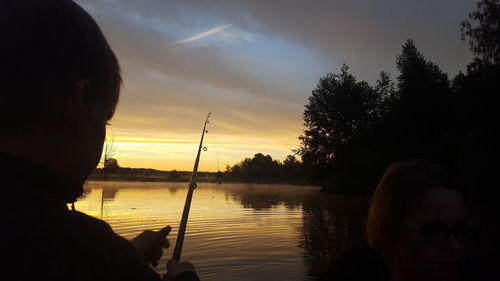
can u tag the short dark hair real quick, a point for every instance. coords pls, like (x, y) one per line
(400, 184)
(46, 46)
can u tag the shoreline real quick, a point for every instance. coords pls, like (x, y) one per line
(202, 180)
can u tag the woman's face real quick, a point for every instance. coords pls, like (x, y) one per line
(431, 238)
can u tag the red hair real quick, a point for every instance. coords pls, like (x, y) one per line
(400, 184)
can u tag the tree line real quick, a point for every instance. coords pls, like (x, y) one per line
(264, 169)
(111, 170)
(354, 130)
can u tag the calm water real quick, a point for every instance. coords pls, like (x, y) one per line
(236, 231)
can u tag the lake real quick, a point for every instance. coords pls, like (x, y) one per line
(237, 231)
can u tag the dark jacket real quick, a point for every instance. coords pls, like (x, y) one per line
(43, 240)
(357, 265)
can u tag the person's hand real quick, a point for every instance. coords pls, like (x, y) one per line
(175, 268)
(150, 244)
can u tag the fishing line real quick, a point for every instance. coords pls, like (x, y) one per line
(215, 145)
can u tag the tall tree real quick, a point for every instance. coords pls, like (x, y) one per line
(483, 31)
(478, 90)
(417, 74)
(386, 94)
(340, 110)
(108, 153)
(420, 115)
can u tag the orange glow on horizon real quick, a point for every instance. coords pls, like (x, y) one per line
(179, 152)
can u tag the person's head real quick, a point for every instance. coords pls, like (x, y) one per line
(417, 221)
(59, 84)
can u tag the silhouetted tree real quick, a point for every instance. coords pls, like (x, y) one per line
(108, 152)
(340, 111)
(386, 93)
(173, 176)
(292, 168)
(353, 131)
(111, 163)
(478, 99)
(420, 116)
(260, 168)
(484, 38)
(290, 161)
(263, 169)
(337, 111)
(478, 89)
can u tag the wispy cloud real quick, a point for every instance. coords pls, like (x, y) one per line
(203, 34)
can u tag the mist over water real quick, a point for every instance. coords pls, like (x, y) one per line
(236, 231)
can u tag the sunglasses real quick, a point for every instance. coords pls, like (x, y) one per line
(439, 232)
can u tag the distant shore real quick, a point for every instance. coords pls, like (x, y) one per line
(152, 175)
(148, 175)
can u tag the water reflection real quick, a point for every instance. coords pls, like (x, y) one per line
(237, 231)
(109, 194)
(264, 197)
(332, 224)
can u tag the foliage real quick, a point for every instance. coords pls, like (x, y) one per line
(259, 169)
(263, 169)
(341, 117)
(354, 131)
(420, 116)
(385, 90)
(142, 174)
(484, 38)
(111, 163)
(340, 110)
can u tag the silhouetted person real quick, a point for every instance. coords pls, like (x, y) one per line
(59, 85)
(417, 228)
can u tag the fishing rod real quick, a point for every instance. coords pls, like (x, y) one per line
(192, 185)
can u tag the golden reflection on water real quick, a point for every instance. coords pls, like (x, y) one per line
(235, 231)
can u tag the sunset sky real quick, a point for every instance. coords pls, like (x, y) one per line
(252, 64)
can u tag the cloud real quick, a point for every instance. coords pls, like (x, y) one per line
(203, 34)
(366, 34)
